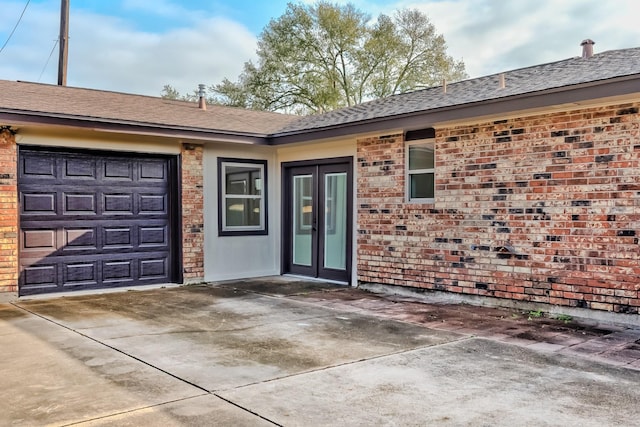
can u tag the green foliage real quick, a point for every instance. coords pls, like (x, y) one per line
(169, 92)
(319, 57)
(564, 318)
(536, 314)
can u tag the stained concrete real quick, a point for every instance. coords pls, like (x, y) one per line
(54, 376)
(473, 383)
(283, 352)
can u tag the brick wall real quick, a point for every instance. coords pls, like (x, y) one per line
(542, 209)
(192, 214)
(8, 213)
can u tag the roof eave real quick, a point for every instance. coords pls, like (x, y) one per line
(529, 101)
(22, 118)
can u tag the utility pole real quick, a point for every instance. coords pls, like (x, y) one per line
(63, 43)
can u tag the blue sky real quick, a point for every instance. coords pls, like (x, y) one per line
(137, 46)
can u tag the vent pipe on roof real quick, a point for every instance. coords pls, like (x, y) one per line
(587, 48)
(202, 101)
(502, 84)
(444, 85)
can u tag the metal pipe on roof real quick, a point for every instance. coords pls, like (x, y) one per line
(587, 48)
(202, 101)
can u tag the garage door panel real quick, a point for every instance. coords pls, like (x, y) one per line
(118, 237)
(153, 268)
(79, 203)
(80, 238)
(153, 237)
(117, 204)
(39, 240)
(118, 170)
(79, 168)
(39, 167)
(40, 276)
(152, 204)
(80, 274)
(118, 271)
(38, 203)
(153, 171)
(103, 220)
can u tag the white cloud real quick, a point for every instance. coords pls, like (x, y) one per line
(111, 53)
(495, 35)
(123, 59)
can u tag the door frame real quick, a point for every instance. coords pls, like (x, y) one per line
(287, 220)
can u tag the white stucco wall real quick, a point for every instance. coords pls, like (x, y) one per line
(234, 257)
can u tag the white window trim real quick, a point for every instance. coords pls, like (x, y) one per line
(223, 197)
(408, 172)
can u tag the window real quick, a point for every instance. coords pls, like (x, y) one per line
(421, 171)
(242, 197)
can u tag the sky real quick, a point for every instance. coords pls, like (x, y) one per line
(138, 46)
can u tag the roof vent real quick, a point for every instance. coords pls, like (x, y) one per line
(587, 48)
(202, 101)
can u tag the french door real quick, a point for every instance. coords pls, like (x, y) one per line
(317, 219)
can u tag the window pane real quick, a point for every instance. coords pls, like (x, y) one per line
(242, 212)
(421, 156)
(422, 186)
(243, 180)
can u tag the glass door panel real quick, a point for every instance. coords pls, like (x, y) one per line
(335, 221)
(303, 220)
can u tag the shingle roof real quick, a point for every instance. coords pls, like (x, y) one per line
(70, 102)
(112, 107)
(560, 74)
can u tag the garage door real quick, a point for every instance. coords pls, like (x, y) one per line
(91, 220)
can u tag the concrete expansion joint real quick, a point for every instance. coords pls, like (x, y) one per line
(353, 362)
(231, 402)
(111, 347)
(134, 410)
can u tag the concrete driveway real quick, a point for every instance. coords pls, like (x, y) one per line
(283, 352)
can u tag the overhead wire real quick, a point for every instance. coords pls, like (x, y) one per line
(16, 26)
(48, 59)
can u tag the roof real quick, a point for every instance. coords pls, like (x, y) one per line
(561, 74)
(605, 74)
(100, 106)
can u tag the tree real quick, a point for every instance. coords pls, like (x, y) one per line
(169, 92)
(316, 58)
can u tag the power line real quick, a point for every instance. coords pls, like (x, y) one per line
(47, 63)
(16, 26)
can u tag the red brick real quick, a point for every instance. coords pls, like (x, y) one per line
(552, 200)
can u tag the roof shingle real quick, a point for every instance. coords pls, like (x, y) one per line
(113, 107)
(71, 102)
(560, 74)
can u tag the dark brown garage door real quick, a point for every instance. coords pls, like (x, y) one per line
(92, 220)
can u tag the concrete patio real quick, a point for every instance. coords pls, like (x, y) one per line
(296, 353)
